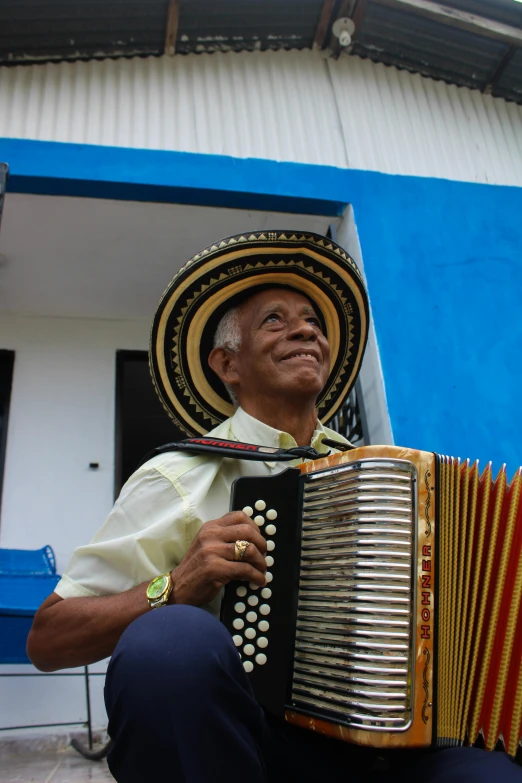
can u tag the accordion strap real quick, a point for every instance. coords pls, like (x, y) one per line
(238, 450)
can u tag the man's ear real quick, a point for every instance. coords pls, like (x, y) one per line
(224, 365)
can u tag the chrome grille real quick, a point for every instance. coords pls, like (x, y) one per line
(353, 649)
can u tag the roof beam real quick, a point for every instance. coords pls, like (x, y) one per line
(171, 28)
(358, 14)
(323, 26)
(499, 70)
(479, 25)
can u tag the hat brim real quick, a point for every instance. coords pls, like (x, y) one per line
(213, 281)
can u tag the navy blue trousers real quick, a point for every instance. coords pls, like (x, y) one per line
(181, 710)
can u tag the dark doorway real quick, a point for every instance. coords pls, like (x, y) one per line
(141, 422)
(6, 381)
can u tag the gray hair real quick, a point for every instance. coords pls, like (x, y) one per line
(228, 336)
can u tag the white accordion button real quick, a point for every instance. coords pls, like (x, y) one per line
(271, 514)
(270, 546)
(250, 633)
(251, 617)
(269, 560)
(253, 586)
(241, 591)
(248, 666)
(262, 641)
(270, 530)
(248, 510)
(260, 505)
(263, 626)
(249, 649)
(238, 640)
(238, 623)
(240, 607)
(259, 520)
(268, 577)
(264, 609)
(260, 658)
(253, 600)
(265, 593)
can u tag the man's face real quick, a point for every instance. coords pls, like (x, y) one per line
(283, 349)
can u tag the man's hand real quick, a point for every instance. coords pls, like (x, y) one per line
(209, 562)
(79, 631)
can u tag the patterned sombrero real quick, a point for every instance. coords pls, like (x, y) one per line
(220, 276)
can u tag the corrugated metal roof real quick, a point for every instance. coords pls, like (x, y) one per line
(236, 25)
(400, 123)
(287, 106)
(511, 84)
(39, 30)
(36, 30)
(273, 105)
(434, 49)
(32, 30)
(507, 11)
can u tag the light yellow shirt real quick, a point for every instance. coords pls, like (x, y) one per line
(163, 505)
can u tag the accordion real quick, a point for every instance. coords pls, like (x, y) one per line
(392, 614)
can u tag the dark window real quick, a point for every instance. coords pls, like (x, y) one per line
(6, 380)
(350, 419)
(141, 422)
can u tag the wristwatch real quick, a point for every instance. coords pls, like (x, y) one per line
(159, 590)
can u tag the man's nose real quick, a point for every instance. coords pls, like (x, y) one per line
(301, 329)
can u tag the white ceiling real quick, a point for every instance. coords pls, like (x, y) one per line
(97, 258)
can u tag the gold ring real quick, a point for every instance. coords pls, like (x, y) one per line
(240, 549)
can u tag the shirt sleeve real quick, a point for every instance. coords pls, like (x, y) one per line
(144, 535)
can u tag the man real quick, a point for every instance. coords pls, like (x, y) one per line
(279, 321)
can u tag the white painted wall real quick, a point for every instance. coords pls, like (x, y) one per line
(100, 258)
(371, 379)
(49, 698)
(61, 418)
(289, 106)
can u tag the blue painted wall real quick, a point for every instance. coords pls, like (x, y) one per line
(443, 261)
(59, 169)
(444, 267)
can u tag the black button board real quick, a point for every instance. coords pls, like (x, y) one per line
(271, 681)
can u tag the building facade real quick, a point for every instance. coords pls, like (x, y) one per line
(122, 169)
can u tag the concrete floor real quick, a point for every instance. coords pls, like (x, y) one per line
(60, 766)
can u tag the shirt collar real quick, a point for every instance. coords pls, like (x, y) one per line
(247, 429)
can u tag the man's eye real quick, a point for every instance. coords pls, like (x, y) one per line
(314, 321)
(272, 317)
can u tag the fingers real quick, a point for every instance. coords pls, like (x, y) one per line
(244, 572)
(235, 518)
(252, 555)
(213, 552)
(229, 571)
(232, 527)
(244, 533)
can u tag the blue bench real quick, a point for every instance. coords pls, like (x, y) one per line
(27, 577)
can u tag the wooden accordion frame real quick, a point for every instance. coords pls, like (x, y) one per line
(393, 616)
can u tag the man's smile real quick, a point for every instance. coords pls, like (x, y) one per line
(301, 355)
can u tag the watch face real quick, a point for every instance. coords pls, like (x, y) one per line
(157, 587)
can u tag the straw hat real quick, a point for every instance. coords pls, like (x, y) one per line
(223, 275)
